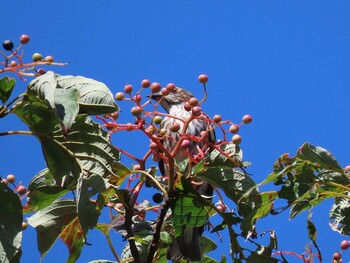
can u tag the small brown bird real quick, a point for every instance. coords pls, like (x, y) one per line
(186, 246)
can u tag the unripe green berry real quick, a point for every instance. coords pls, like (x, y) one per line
(157, 119)
(37, 57)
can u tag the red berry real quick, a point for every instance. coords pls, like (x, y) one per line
(185, 144)
(21, 190)
(37, 57)
(110, 126)
(145, 83)
(187, 106)
(155, 87)
(7, 45)
(24, 39)
(11, 178)
(247, 119)
(217, 118)
(196, 111)
(345, 244)
(203, 78)
(136, 111)
(236, 139)
(234, 128)
(170, 87)
(114, 115)
(193, 102)
(49, 59)
(165, 91)
(128, 88)
(119, 96)
(336, 256)
(153, 146)
(175, 127)
(41, 71)
(137, 98)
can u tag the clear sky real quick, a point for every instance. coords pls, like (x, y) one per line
(284, 62)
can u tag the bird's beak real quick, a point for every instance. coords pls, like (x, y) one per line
(155, 96)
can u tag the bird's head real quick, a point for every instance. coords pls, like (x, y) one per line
(178, 96)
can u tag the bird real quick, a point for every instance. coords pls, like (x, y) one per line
(187, 246)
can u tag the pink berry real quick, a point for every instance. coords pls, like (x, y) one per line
(119, 96)
(193, 101)
(136, 111)
(175, 127)
(11, 178)
(155, 87)
(13, 64)
(21, 190)
(41, 71)
(153, 146)
(345, 244)
(170, 87)
(49, 59)
(24, 39)
(145, 83)
(165, 91)
(217, 118)
(196, 111)
(236, 139)
(137, 167)
(187, 106)
(203, 78)
(128, 88)
(247, 119)
(234, 128)
(336, 256)
(221, 207)
(4, 180)
(137, 98)
(185, 144)
(347, 168)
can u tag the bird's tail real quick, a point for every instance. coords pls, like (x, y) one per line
(187, 246)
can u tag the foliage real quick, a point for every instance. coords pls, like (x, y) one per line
(80, 157)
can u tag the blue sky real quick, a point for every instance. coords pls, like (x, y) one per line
(284, 62)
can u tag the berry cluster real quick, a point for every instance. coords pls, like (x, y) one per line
(149, 120)
(10, 180)
(337, 256)
(14, 61)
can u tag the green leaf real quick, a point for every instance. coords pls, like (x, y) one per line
(216, 158)
(11, 218)
(207, 245)
(142, 249)
(263, 254)
(87, 213)
(67, 107)
(340, 215)
(95, 97)
(52, 221)
(188, 212)
(102, 261)
(43, 191)
(6, 86)
(317, 154)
